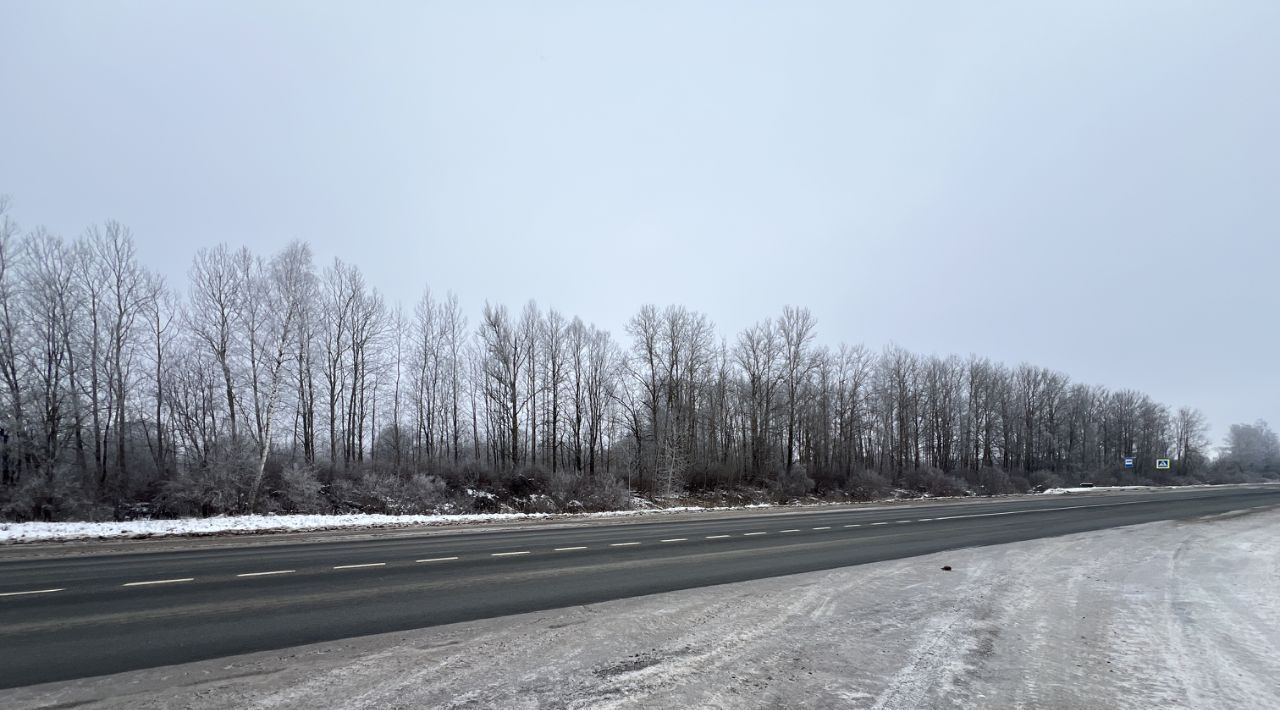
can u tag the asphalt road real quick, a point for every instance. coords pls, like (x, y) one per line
(69, 617)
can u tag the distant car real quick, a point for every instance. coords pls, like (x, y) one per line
(1086, 485)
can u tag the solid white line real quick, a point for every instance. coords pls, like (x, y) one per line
(33, 591)
(623, 544)
(827, 527)
(367, 564)
(509, 554)
(791, 530)
(675, 539)
(566, 549)
(264, 574)
(158, 581)
(754, 533)
(716, 537)
(438, 559)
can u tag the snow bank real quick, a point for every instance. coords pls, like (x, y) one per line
(38, 532)
(1097, 489)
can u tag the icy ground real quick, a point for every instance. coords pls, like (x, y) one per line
(36, 532)
(1165, 615)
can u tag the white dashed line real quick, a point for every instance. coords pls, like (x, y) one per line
(438, 559)
(904, 521)
(158, 581)
(854, 525)
(791, 530)
(367, 564)
(675, 539)
(880, 523)
(991, 515)
(623, 544)
(925, 520)
(33, 591)
(509, 554)
(567, 549)
(754, 533)
(716, 537)
(825, 527)
(265, 574)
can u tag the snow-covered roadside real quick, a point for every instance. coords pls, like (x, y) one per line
(1097, 489)
(1168, 615)
(40, 532)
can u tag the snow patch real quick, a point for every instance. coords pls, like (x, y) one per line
(1097, 489)
(240, 524)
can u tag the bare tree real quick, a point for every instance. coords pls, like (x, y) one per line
(280, 287)
(797, 329)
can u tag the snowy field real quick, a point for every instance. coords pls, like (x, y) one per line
(38, 532)
(1165, 615)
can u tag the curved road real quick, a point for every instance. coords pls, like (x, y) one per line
(66, 617)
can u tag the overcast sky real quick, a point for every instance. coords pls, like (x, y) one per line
(1088, 186)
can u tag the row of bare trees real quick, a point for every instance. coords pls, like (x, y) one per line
(266, 375)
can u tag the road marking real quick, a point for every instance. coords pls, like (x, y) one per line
(367, 564)
(438, 559)
(623, 544)
(1040, 510)
(854, 525)
(675, 539)
(33, 591)
(716, 537)
(264, 574)
(881, 523)
(754, 533)
(925, 520)
(566, 549)
(791, 530)
(826, 527)
(904, 521)
(509, 554)
(989, 515)
(158, 581)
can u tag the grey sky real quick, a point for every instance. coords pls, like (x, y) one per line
(1089, 186)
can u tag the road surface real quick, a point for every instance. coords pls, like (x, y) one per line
(66, 617)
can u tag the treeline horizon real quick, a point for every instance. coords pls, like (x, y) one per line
(268, 384)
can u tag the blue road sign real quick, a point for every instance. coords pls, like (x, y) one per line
(1163, 464)
(1128, 462)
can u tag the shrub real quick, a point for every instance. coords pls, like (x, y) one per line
(296, 490)
(793, 483)
(867, 485)
(527, 481)
(604, 492)
(48, 499)
(201, 493)
(931, 481)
